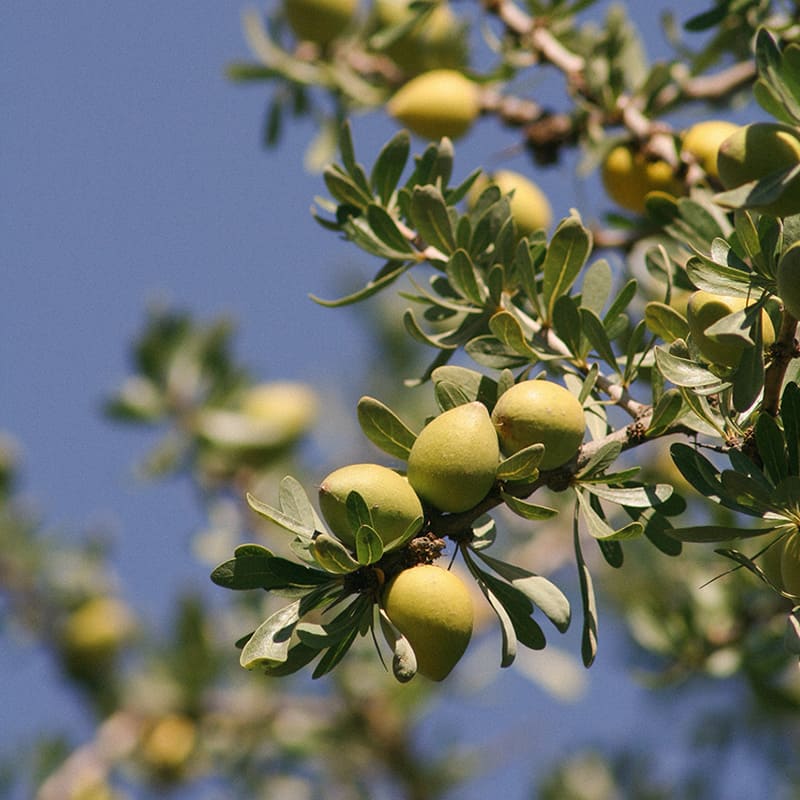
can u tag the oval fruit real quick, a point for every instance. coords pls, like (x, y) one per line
(540, 411)
(166, 747)
(790, 565)
(703, 310)
(703, 139)
(441, 102)
(454, 460)
(433, 609)
(435, 42)
(390, 498)
(756, 150)
(789, 280)
(319, 21)
(529, 204)
(629, 176)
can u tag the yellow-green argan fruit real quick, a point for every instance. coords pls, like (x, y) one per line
(433, 609)
(454, 460)
(756, 150)
(629, 176)
(434, 43)
(529, 204)
(789, 280)
(441, 102)
(770, 563)
(167, 745)
(703, 139)
(543, 412)
(388, 495)
(319, 21)
(703, 310)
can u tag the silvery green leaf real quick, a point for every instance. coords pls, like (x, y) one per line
(522, 467)
(294, 502)
(665, 321)
(270, 642)
(332, 555)
(300, 527)
(369, 547)
(528, 510)
(588, 601)
(633, 496)
(384, 428)
(566, 255)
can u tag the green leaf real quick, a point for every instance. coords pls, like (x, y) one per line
(473, 385)
(596, 333)
(384, 428)
(369, 547)
(683, 372)
(385, 228)
(431, 219)
(596, 287)
(523, 466)
(249, 569)
(748, 381)
(300, 527)
(507, 328)
(390, 272)
(566, 255)
(298, 657)
(415, 331)
(527, 510)
(790, 415)
(404, 660)
(599, 529)
(588, 601)
(294, 502)
(665, 321)
(716, 533)
(567, 323)
(632, 496)
(488, 351)
(332, 555)
(334, 655)
(270, 642)
(465, 278)
(666, 411)
(541, 592)
(697, 470)
(603, 457)
(344, 189)
(389, 166)
(771, 447)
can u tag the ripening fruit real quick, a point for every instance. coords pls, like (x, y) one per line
(168, 744)
(98, 627)
(790, 565)
(433, 609)
(628, 176)
(540, 411)
(390, 498)
(434, 43)
(703, 139)
(756, 150)
(703, 310)
(454, 460)
(789, 280)
(319, 21)
(441, 102)
(529, 204)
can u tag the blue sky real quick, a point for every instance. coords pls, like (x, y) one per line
(133, 172)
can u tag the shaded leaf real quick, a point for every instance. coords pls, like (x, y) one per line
(384, 428)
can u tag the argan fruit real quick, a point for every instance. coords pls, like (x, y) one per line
(540, 411)
(789, 280)
(98, 628)
(703, 310)
(393, 503)
(770, 563)
(703, 139)
(433, 609)
(441, 102)
(629, 176)
(529, 204)
(454, 460)
(757, 150)
(436, 42)
(790, 565)
(168, 744)
(319, 21)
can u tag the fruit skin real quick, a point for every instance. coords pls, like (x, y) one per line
(390, 498)
(433, 609)
(319, 21)
(789, 280)
(434, 43)
(437, 103)
(703, 310)
(756, 150)
(628, 176)
(540, 411)
(529, 204)
(454, 460)
(790, 565)
(703, 139)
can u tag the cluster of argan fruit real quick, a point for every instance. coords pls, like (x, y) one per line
(452, 467)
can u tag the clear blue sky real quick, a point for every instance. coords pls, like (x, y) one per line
(132, 171)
